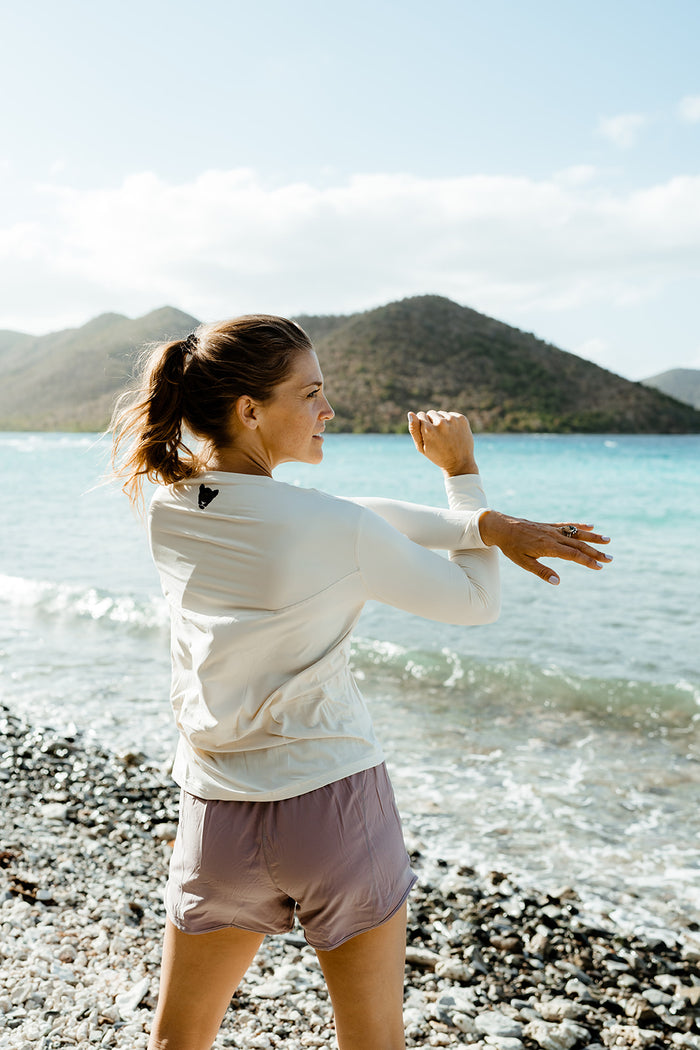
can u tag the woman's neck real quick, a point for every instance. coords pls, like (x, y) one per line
(237, 461)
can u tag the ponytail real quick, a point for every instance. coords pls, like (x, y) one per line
(150, 422)
(191, 385)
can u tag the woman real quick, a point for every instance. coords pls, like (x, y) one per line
(286, 808)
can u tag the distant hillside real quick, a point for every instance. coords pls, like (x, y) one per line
(68, 380)
(424, 352)
(430, 352)
(681, 383)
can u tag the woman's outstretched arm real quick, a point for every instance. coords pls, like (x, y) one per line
(445, 438)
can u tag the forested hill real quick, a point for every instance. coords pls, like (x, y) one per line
(424, 352)
(430, 352)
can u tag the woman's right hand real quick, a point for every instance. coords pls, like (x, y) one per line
(446, 439)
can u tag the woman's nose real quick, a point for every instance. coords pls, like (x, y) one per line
(327, 412)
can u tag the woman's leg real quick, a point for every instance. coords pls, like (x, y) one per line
(365, 979)
(199, 974)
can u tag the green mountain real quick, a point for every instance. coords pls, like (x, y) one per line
(429, 352)
(423, 352)
(69, 380)
(681, 383)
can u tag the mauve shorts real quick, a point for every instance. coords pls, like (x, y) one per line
(334, 856)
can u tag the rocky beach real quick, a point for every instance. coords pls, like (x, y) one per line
(84, 845)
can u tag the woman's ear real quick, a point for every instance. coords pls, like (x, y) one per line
(246, 412)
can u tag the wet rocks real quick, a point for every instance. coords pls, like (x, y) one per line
(85, 840)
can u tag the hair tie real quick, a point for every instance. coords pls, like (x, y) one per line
(189, 345)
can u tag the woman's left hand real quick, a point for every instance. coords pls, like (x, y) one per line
(524, 542)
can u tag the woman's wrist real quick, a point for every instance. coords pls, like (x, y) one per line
(492, 527)
(465, 466)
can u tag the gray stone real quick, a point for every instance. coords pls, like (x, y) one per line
(562, 1036)
(656, 998)
(691, 993)
(422, 957)
(667, 981)
(54, 811)
(560, 1008)
(165, 832)
(686, 1039)
(527, 1013)
(453, 970)
(272, 989)
(690, 952)
(627, 980)
(501, 1042)
(473, 954)
(581, 991)
(575, 971)
(457, 1000)
(464, 1024)
(129, 1001)
(619, 1035)
(493, 1022)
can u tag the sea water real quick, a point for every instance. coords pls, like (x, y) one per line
(561, 744)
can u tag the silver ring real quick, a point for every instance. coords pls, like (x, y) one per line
(569, 530)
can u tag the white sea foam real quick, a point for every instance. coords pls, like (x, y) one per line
(61, 599)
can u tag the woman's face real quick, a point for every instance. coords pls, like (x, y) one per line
(291, 422)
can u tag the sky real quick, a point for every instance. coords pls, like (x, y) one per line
(538, 162)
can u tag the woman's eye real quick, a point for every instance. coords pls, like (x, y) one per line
(313, 393)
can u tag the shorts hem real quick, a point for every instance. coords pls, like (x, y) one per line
(366, 929)
(216, 927)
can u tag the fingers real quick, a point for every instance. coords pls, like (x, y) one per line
(433, 416)
(544, 572)
(525, 542)
(537, 569)
(585, 532)
(414, 429)
(583, 554)
(578, 548)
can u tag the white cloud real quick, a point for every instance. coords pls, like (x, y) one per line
(577, 175)
(227, 242)
(689, 109)
(622, 130)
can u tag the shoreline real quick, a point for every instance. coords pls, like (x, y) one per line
(84, 848)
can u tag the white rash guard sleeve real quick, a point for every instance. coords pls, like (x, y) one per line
(397, 570)
(433, 527)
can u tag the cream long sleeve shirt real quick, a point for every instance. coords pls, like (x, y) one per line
(265, 584)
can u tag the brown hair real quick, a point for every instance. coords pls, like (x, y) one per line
(192, 385)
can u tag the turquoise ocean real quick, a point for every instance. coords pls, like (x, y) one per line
(561, 744)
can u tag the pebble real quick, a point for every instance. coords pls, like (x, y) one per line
(496, 1023)
(490, 965)
(501, 1042)
(619, 1035)
(550, 1036)
(128, 1001)
(560, 1008)
(453, 969)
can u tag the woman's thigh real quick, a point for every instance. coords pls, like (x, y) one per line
(365, 978)
(199, 974)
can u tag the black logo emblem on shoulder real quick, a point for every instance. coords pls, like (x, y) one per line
(206, 496)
